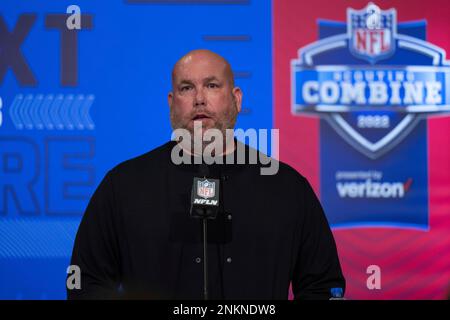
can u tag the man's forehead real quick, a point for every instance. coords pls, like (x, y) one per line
(200, 68)
(189, 77)
(201, 65)
(202, 56)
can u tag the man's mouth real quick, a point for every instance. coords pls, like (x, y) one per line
(200, 116)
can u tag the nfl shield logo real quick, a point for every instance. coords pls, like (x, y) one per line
(371, 32)
(206, 189)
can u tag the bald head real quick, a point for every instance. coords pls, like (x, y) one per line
(202, 58)
(203, 90)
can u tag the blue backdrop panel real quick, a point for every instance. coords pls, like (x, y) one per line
(76, 103)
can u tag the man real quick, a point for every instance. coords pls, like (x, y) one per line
(137, 239)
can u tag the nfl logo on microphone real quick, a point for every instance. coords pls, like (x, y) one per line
(206, 189)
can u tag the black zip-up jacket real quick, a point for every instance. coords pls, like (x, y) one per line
(137, 239)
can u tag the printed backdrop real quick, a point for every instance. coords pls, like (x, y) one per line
(359, 91)
(361, 101)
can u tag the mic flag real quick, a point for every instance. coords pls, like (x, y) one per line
(205, 198)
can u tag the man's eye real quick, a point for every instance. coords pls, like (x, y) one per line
(213, 85)
(185, 88)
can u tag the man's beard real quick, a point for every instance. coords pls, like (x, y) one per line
(222, 122)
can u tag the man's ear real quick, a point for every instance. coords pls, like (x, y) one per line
(170, 99)
(237, 93)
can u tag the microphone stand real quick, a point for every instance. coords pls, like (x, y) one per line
(204, 213)
(205, 257)
(205, 245)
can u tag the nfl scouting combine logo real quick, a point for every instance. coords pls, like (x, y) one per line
(372, 79)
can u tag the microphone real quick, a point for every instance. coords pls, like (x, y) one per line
(205, 205)
(204, 195)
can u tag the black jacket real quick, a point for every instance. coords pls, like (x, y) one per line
(137, 240)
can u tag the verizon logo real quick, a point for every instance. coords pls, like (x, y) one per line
(370, 189)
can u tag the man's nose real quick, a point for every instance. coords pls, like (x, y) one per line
(200, 99)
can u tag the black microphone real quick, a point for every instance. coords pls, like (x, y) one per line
(204, 195)
(205, 205)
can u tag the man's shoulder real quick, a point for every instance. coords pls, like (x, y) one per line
(152, 160)
(284, 170)
(288, 170)
(289, 174)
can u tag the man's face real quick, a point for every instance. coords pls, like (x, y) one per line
(203, 91)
